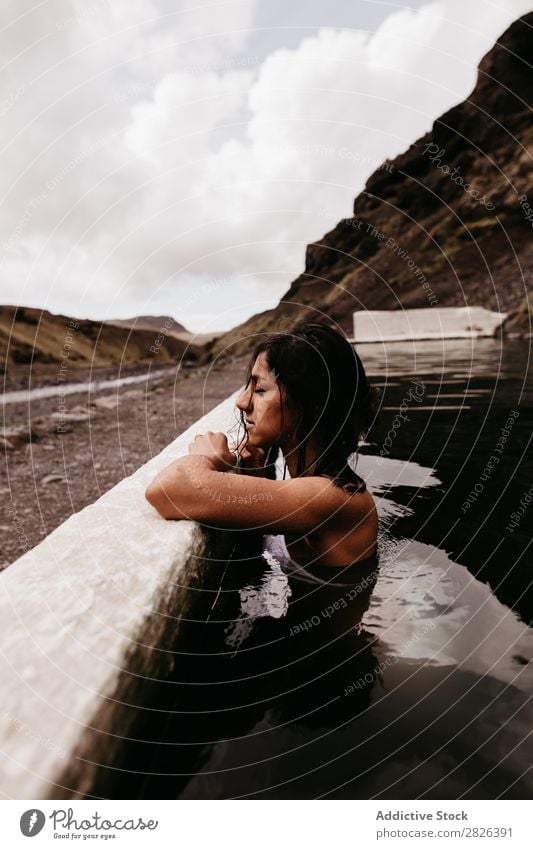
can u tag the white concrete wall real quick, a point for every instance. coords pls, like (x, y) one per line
(80, 617)
(427, 323)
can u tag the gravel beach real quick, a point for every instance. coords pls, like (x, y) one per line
(47, 475)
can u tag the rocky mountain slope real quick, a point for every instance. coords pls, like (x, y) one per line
(37, 336)
(448, 223)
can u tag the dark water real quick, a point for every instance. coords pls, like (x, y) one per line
(477, 405)
(410, 681)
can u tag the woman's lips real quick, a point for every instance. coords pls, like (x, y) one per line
(249, 424)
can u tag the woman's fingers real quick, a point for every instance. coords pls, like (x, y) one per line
(255, 457)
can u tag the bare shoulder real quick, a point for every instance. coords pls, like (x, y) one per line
(350, 534)
(353, 510)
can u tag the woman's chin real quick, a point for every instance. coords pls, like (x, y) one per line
(255, 440)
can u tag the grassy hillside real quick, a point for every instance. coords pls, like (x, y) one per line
(32, 335)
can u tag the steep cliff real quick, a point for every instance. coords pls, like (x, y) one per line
(449, 222)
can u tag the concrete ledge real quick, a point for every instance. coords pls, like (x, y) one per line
(85, 620)
(428, 323)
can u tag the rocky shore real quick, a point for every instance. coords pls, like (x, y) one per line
(56, 461)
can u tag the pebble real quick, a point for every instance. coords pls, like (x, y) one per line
(53, 479)
(12, 437)
(106, 403)
(70, 417)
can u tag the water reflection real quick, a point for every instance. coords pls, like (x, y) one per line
(455, 359)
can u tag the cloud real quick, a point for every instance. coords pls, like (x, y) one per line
(148, 154)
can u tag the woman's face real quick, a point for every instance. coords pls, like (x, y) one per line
(260, 402)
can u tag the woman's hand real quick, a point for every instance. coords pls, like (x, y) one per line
(252, 459)
(215, 447)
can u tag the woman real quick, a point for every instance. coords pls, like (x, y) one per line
(307, 394)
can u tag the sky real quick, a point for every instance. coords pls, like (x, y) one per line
(176, 158)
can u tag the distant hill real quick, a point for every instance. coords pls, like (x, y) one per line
(32, 335)
(150, 322)
(165, 324)
(448, 222)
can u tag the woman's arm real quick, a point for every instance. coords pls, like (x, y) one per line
(192, 487)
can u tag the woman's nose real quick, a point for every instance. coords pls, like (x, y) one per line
(244, 400)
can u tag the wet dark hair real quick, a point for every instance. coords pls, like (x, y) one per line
(326, 384)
